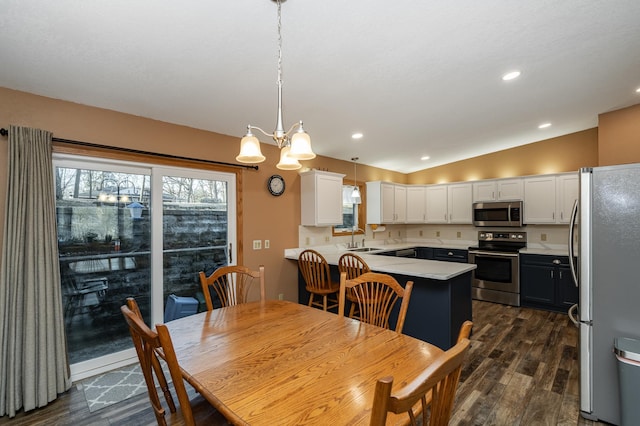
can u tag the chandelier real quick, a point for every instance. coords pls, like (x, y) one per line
(294, 144)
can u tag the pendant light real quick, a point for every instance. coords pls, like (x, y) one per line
(294, 146)
(355, 194)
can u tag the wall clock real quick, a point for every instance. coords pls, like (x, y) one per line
(275, 184)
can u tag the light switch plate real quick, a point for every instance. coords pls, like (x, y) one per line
(257, 244)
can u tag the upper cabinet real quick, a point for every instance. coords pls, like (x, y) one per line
(321, 198)
(498, 190)
(548, 199)
(459, 202)
(386, 202)
(416, 204)
(567, 187)
(449, 203)
(436, 208)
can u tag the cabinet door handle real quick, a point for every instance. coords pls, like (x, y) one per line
(551, 274)
(560, 274)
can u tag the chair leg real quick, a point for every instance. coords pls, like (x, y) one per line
(352, 311)
(324, 302)
(310, 299)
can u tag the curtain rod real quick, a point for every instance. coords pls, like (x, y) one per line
(5, 132)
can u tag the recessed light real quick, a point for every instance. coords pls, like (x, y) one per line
(424, 157)
(544, 125)
(357, 136)
(511, 75)
(638, 90)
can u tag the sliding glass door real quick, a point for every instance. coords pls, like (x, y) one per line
(133, 230)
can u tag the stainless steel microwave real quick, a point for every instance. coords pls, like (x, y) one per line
(498, 213)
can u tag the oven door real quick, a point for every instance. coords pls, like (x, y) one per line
(496, 277)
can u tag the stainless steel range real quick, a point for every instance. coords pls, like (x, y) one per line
(497, 276)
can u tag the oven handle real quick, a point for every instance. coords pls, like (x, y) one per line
(494, 254)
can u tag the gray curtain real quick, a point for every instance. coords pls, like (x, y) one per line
(34, 366)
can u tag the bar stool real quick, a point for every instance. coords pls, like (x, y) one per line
(354, 266)
(315, 271)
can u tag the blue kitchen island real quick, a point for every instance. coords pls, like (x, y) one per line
(440, 300)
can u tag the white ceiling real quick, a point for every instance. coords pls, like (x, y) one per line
(416, 77)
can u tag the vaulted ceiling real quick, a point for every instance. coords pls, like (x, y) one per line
(417, 78)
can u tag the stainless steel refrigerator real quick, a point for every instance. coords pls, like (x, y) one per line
(607, 272)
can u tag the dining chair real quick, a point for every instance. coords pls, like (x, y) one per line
(354, 266)
(376, 295)
(465, 330)
(439, 379)
(147, 342)
(315, 272)
(231, 285)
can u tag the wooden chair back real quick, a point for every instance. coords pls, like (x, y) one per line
(231, 284)
(376, 295)
(465, 331)
(317, 277)
(354, 266)
(439, 380)
(146, 342)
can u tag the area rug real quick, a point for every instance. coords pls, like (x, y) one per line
(114, 386)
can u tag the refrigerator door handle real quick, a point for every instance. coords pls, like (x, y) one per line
(574, 316)
(572, 224)
(574, 319)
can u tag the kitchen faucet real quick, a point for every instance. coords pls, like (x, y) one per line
(354, 244)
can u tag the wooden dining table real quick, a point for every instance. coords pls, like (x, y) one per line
(283, 363)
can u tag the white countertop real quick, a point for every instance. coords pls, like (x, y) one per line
(546, 249)
(432, 269)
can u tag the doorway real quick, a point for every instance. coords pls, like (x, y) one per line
(133, 230)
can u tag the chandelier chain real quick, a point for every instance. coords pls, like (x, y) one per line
(279, 43)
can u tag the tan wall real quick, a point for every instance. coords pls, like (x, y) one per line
(562, 154)
(277, 218)
(619, 136)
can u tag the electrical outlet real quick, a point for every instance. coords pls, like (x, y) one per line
(420, 233)
(266, 244)
(389, 234)
(257, 244)
(399, 233)
(327, 239)
(458, 234)
(437, 233)
(543, 237)
(281, 296)
(307, 241)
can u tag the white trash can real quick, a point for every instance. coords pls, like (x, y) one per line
(628, 354)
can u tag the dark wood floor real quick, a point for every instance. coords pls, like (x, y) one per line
(522, 369)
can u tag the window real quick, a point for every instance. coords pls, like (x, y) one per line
(353, 215)
(129, 229)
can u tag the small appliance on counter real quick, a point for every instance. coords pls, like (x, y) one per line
(497, 276)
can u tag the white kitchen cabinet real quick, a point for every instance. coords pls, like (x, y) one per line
(321, 198)
(567, 188)
(386, 203)
(415, 204)
(540, 199)
(459, 201)
(548, 199)
(449, 203)
(436, 207)
(498, 190)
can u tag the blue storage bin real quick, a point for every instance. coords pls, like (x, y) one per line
(179, 307)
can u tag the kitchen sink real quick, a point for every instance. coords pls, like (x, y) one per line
(361, 249)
